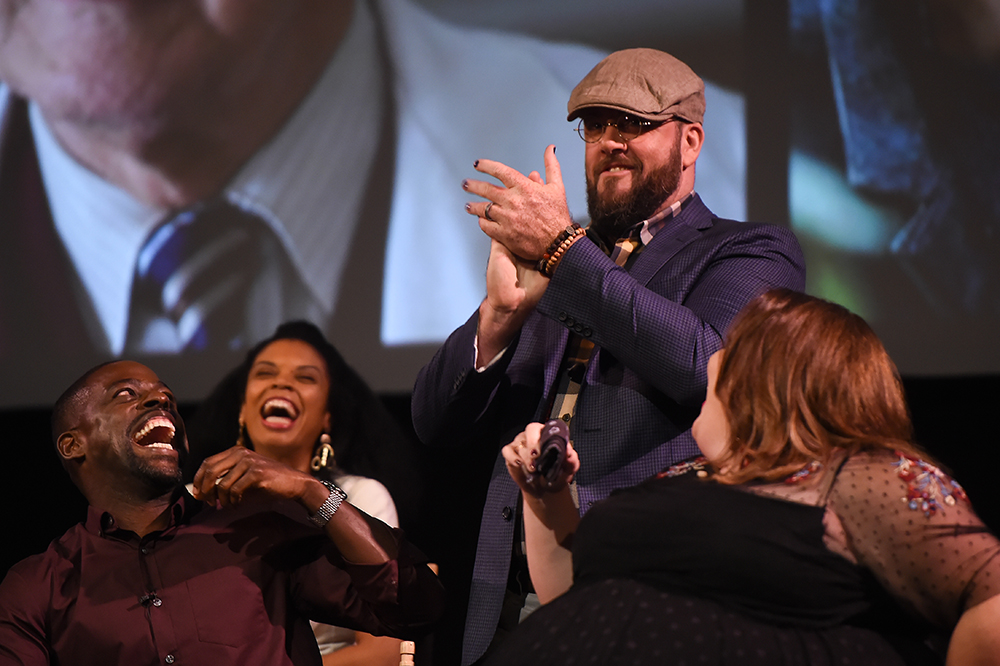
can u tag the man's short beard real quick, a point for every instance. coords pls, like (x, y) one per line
(612, 216)
(154, 476)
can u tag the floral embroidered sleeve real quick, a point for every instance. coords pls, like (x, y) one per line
(914, 528)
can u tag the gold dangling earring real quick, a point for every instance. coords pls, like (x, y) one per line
(324, 455)
(239, 437)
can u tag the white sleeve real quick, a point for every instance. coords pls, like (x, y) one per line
(371, 497)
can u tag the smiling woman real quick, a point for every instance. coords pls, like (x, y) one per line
(285, 409)
(295, 400)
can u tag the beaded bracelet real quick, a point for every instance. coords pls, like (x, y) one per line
(557, 255)
(554, 245)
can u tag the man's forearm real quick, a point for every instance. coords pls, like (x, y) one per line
(449, 396)
(361, 540)
(495, 332)
(665, 328)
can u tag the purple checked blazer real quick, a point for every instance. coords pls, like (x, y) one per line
(654, 328)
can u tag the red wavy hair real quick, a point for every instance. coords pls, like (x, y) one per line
(801, 378)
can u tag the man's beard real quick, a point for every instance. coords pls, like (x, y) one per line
(612, 215)
(153, 475)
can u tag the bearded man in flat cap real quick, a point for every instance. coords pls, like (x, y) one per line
(610, 327)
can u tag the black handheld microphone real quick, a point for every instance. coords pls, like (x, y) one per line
(552, 451)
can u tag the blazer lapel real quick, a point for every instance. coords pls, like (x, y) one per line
(555, 348)
(665, 244)
(38, 290)
(670, 240)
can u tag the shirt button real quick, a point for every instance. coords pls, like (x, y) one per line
(507, 513)
(157, 602)
(144, 550)
(169, 659)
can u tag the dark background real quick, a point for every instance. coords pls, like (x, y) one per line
(950, 416)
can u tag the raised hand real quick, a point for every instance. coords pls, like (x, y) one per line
(513, 289)
(526, 213)
(512, 284)
(239, 473)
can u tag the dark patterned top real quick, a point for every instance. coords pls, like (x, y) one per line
(849, 566)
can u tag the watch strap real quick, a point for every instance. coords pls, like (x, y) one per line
(329, 507)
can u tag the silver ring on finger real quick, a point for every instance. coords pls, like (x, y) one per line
(486, 213)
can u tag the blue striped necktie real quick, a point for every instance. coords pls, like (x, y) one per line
(211, 278)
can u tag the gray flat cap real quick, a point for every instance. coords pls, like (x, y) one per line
(647, 83)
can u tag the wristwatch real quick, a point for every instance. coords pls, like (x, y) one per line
(326, 510)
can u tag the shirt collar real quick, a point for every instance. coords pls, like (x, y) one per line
(644, 231)
(183, 507)
(650, 227)
(328, 139)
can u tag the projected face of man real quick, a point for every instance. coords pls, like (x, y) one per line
(125, 83)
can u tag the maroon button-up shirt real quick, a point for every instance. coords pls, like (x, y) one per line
(217, 586)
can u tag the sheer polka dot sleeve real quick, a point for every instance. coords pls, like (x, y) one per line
(914, 528)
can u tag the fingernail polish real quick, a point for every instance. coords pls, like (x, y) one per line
(468, 208)
(475, 164)
(465, 184)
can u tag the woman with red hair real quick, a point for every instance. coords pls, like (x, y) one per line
(811, 531)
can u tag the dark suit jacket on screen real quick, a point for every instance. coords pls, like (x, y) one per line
(654, 327)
